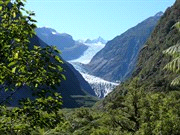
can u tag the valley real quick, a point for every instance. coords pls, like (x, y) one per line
(103, 64)
(52, 84)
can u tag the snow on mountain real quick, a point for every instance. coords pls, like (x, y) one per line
(100, 86)
(54, 33)
(89, 53)
(99, 39)
(48, 31)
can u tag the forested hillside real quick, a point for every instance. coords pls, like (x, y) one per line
(151, 58)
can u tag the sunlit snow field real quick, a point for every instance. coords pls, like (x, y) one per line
(89, 53)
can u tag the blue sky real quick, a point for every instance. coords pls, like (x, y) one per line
(93, 18)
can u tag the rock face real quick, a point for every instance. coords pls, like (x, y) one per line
(117, 60)
(70, 49)
(75, 90)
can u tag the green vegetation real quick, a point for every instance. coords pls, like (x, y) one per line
(138, 112)
(174, 65)
(22, 66)
(133, 108)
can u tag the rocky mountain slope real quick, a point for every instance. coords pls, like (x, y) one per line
(70, 49)
(117, 59)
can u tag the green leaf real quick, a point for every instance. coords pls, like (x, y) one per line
(14, 70)
(14, 15)
(173, 50)
(60, 68)
(36, 85)
(0, 8)
(36, 47)
(176, 81)
(56, 50)
(58, 59)
(18, 84)
(177, 25)
(52, 67)
(174, 65)
(17, 39)
(63, 76)
(16, 56)
(12, 63)
(7, 2)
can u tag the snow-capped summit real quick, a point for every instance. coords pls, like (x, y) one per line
(98, 40)
(48, 31)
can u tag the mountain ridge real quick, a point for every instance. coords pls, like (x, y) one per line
(151, 61)
(70, 48)
(98, 40)
(116, 61)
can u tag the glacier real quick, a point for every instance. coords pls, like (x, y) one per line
(89, 53)
(100, 86)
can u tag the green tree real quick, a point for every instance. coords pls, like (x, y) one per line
(24, 65)
(20, 63)
(128, 115)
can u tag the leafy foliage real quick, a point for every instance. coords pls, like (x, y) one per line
(174, 65)
(151, 59)
(24, 65)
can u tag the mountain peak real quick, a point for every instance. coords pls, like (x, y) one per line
(122, 52)
(97, 40)
(48, 30)
(159, 13)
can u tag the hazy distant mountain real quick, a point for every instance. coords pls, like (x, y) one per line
(70, 49)
(117, 59)
(98, 40)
